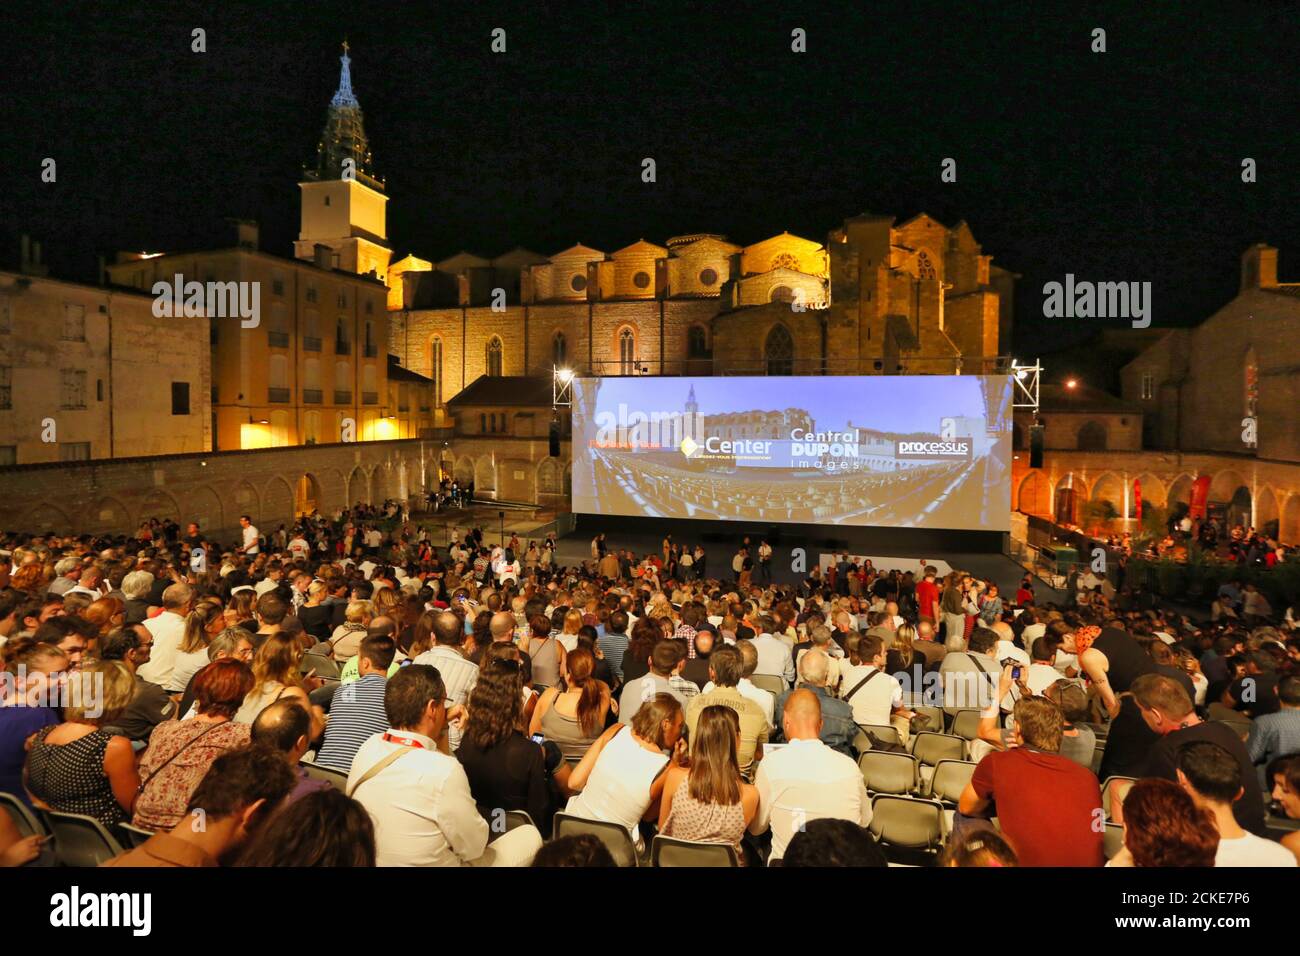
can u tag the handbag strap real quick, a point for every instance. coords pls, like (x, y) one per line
(189, 743)
(378, 767)
(860, 684)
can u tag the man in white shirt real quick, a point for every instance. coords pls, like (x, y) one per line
(417, 795)
(251, 534)
(774, 656)
(873, 699)
(459, 673)
(806, 780)
(168, 629)
(298, 546)
(1212, 777)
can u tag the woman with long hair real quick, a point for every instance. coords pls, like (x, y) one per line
(574, 717)
(709, 801)
(568, 636)
(276, 676)
(899, 657)
(620, 779)
(202, 624)
(506, 770)
(322, 828)
(106, 614)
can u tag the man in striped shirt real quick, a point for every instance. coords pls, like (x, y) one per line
(357, 711)
(459, 674)
(613, 643)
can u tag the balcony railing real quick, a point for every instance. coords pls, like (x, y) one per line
(342, 348)
(342, 396)
(279, 340)
(311, 396)
(310, 343)
(369, 398)
(278, 396)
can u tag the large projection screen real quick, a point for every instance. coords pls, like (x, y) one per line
(922, 451)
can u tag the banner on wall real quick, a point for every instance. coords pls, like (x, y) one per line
(1200, 497)
(1137, 498)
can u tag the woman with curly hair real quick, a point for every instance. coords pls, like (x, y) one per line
(506, 770)
(1163, 826)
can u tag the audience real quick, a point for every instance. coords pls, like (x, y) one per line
(1163, 826)
(831, 842)
(357, 709)
(1212, 777)
(324, 828)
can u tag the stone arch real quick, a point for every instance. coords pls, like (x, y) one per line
(1180, 490)
(1108, 486)
(1225, 484)
(1070, 492)
(247, 501)
(485, 476)
(49, 517)
(550, 480)
(332, 488)
(109, 514)
(1092, 436)
(778, 350)
(307, 494)
(1035, 494)
(204, 506)
(1267, 514)
(1289, 532)
(464, 470)
(158, 504)
(1153, 490)
(382, 483)
(277, 505)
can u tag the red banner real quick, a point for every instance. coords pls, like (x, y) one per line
(1200, 497)
(1137, 498)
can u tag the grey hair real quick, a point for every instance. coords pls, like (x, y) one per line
(137, 584)
(814, 667)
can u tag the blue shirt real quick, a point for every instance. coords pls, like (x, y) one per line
(1272, 736)
(16, 725)
(838, 728)
(356, 714)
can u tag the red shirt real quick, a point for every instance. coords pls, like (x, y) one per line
(1049, 807)
(927, 596)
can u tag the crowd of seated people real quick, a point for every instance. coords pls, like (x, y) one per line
(343, 697)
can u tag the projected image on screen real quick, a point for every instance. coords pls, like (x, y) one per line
(904, 451)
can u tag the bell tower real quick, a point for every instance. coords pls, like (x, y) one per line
(344, 216)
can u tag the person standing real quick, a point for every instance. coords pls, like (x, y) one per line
(765, 562)
(250, 536)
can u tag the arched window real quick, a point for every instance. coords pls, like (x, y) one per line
(1092, 437)
(627, 352)
(781, 293)
(924, 268)
(785, 260)
(494, 356)
(435, 368)
(559, 350)
(697, 343)
(778, 351)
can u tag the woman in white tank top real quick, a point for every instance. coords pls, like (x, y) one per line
(621, 778)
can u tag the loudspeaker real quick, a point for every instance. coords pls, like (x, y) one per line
(1035, 446)
(555, 439)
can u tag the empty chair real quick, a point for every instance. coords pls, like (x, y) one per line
(935, 714)
(907, 823)
(24, 819)
(886, 772)
(772, 684)
(1112, 840)
(80, 840)
(670, 851)
(336, 778)
(1118, 791)
(931, 748)
(615, 837)
(133, 835)
(950, 779)
(966, 723)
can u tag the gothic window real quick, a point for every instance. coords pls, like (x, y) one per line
(778, 351)
(494, 356)
(435, 368)
(924, 268)
(559, 349)
(627, 352)
(697, 344)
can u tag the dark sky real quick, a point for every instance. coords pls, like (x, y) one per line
(1116, 166)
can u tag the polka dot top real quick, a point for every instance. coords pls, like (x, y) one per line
(70, 777)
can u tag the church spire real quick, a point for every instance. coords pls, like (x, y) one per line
(344, 136)
(344, 95)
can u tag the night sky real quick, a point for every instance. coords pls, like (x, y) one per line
(1123, 166)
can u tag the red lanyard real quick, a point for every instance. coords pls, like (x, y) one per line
(404, 741)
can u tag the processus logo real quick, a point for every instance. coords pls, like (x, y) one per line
(947, 448)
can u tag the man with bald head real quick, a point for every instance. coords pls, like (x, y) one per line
(459, 674)
(805, 780)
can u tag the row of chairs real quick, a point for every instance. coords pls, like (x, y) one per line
(78, 840)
